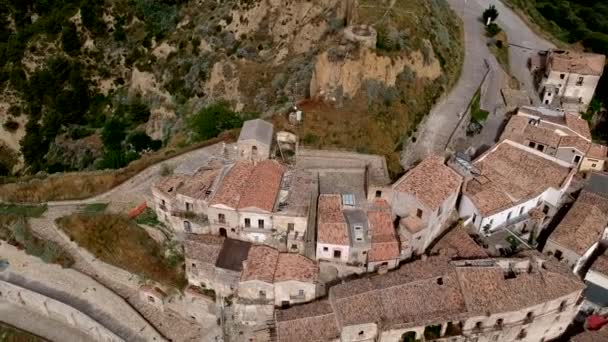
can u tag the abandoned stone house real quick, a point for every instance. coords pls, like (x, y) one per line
(561, 135)
(521, 299)
(256, 200)
(422, 200)
(514, 186)
(279, 279)
(584, 226)
(214, 262)
(257, 275)
(568, 79)
(255, 140)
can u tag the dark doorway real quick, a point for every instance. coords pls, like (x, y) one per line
(223, 232)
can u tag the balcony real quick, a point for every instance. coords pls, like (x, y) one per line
(201, 219)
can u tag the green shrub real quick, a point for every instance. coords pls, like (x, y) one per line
(70, 40)
(212, 120)
(492, 30)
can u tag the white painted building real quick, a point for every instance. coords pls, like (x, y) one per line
(513, 180)
(570, 78)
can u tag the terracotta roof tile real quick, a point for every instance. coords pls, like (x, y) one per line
(232, 185)
(169, 185)
(332, 227)
(204, 248)
(431, 181)
(583, 224)
(427, 291)
(262, 187)
(597, 151)
(576, 62)
(260, 264)
(199, 185)
(486, 289)
(412, 223)
(385, 245)
(248, 185)
(296, 267)
(576, 142)
(577, 124)
(510, 173)
(313, 322)
(592, 336)
(457, 244)
(601, 263)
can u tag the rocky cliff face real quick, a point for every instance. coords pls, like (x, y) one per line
(177, 56)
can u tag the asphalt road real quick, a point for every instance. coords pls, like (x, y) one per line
(435, 130)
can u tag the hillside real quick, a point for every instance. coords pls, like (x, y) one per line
(584, 24)
(94, 84)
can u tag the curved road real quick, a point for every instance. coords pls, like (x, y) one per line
(434, 132)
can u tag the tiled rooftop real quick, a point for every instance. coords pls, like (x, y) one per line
(262, 187)
(413, 224)
(314, 321)
(575, 142)
(598, 151)
(248, 185)
(457, 244)
(260, 264)
(592, 336)
(436, 289)
(296, 267)
(203, 248)
(431, 182)
(233, 184)
(583, 224)
(199, 185)
(577, 124)
(385, 245)
(511, 173)
(576, 62)
(268, 265)
(169, 185)
(601, 263)
(332, 227)
(486, 289)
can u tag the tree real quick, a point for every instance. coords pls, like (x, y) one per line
(490, 13)
(140, 141)
(212, 120)
(70, 40)
(113, 134)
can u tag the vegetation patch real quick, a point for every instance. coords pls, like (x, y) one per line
(94, 208)
(117, 240)
(576, 22)
(81, 185)
(499, 46)
(22, 210)
(11, 334)
(15, 230)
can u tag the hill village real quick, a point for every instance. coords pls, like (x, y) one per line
(321, 246)
(286, 243)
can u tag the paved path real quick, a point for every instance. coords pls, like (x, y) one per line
(434, 132)
(39, 325)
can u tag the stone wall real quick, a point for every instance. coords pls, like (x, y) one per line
(56, 310)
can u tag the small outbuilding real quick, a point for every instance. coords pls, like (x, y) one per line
(255, 140)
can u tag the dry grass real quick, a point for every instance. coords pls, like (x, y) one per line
(11, 334)
(117, 240)
(81, 185)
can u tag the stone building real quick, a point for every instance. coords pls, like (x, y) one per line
(561, 135)
(522, 299)
(243, 204)
(385, 249)
(255, 140)
(569, 79)
(181, 201)
(583, 228)
(333, 241)
(423, 200)
(511, 182)
(215, 262)
(596, 293)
